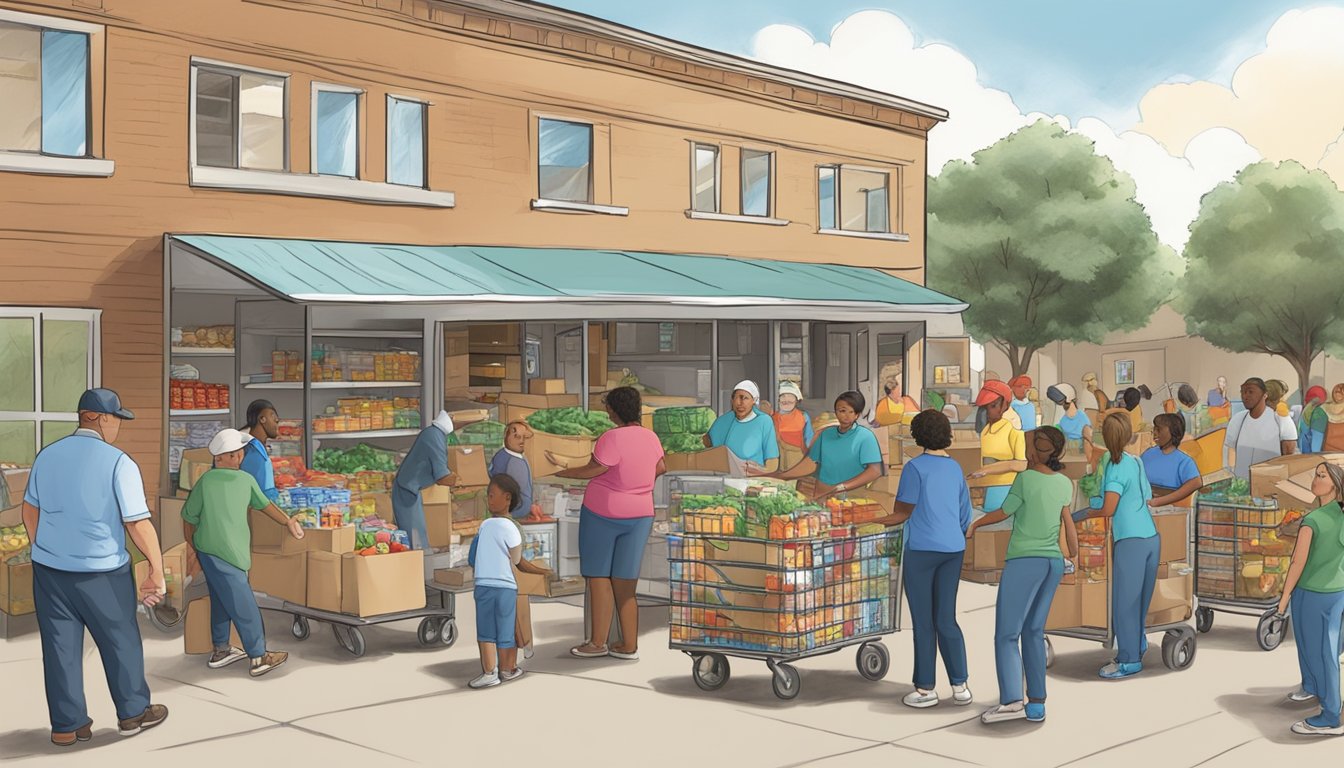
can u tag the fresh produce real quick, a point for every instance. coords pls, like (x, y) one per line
(26, 556)
(682, 443)
(361, 458)
(13, 539)
(767, 506)
(629, 379)
(570, 422)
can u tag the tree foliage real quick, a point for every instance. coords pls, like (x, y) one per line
(1264, 260)
(1044, 240)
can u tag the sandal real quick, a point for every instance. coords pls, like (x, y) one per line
(596, 652)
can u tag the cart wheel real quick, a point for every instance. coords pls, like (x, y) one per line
(1049, 653)
(786, 681)
(164, 617)
(342, 639)
(1178, 648)
(428, 631)
(710, 671)
(448, 633)
(300, 628)
(873, 661)
(1269, 632)
(356, 641)
(1204, 619)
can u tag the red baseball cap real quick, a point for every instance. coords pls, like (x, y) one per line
(1020, 381)
(993, 390)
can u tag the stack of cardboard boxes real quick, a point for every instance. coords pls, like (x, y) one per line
(16, 568)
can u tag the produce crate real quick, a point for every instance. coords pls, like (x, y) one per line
(487, 434)
(1242, 550)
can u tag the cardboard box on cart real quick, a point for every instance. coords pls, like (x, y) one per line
(324, 581)
(380, 584)
(284, 577)
(1266, 476)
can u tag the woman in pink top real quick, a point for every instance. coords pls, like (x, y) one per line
(616, 520)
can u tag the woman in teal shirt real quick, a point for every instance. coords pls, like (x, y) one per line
(747, 432)
(844, 457)
(1314, 591)
(1039, 503)
(1125, 496)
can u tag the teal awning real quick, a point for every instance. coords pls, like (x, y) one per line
(363, 273)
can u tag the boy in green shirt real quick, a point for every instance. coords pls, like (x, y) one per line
(215, 522)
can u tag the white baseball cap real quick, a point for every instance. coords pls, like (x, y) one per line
(444, 422)
(790, 388)
(228, 441)
(749, 387)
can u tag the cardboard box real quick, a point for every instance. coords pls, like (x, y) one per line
(336, 541)
(469, 504)
(1266, 476)
(1172, 600)
(1066, 610)
(284, 577)
(196, 635)
(436, 494)
(456, 343)
(1075, 468)
(1173, 528)
(457, 373)
(1093, 597)
(546, 387)
(988, 548)
(16, 589)
(468, 462)
(896, 449)
(719, 460)
(168, 521)
(572, 451)
(16, 480)
(324, 581)
(382, 506)
(517, 407)
(494, 335)
(381, 584)
(439, 524)
(533, 583)
(460, 576)
(965, 452)
(273, 538)
(195, 463)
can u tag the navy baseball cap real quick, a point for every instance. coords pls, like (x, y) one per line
(103, 401)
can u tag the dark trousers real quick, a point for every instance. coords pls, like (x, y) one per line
(104, 604)
(931, 580)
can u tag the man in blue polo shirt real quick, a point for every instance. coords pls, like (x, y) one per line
(81, 493)
(263, 424)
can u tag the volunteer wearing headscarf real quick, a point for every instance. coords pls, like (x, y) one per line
(1314, 595)
(792, 424)
(1334, 421)
(895, 407)
(426, 464)
(1073, 422)
(1002, 445)
(747, 432)
(843, 457)
(1311, 425)
(1275, 392)
(1172, 473)
(1021, 404)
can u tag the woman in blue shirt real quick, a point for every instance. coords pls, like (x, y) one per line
(1172, 472)
(844, 457)
(934, 499)
(1126, 493)
(747, 432)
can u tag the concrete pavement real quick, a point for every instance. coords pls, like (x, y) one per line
(403, 704)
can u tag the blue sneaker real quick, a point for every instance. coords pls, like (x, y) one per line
(1036, 711)
(1117, 670)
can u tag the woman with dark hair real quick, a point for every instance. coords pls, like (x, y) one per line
(844, 457)
(615, 521)
(747, 432)
(1314, 595)
(1172, 472)
(1131, 401)
(1039, 504)
(934, 498)
(1125, 496)
(1002, 446)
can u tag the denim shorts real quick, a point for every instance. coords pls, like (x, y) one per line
(496, 610)
(611, 548)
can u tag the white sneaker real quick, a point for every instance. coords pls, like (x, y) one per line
(961, 695)
(1004, 712)
(506, 675)
(485, 681)
(224, 657)
(1307, 729)
(1301, 697)
(921, 699)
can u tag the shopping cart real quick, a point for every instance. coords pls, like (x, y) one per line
(1242, 554)
(780, 601)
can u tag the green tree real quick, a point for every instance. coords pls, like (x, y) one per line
(1264, 260)
(1044, 240)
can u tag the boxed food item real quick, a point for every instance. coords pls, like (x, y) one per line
(533, 583)
(988, 548)
(1172, 600)
(196, 635)
(382, 584)
(168, 521)
(1173, 528)
(468, 462)
(336, 541)
(1093, 598)
(195, 463)
(459, 576)
(439, 524)
(270, 537)
(284, 577)
(16, 585)
(324, 581)
(546, 387)
(1066, 609)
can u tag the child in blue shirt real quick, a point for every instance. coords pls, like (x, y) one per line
(497, 548)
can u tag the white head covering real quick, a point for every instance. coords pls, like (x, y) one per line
(444, 422)
(748, 386)
(789, 388)
(228, 441)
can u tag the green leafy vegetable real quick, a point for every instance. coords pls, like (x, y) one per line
(572, 422)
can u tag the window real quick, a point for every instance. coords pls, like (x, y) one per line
(853, 200)
(756, 182)
(705, 178)
(336, 130)
(240, 119)
(406, 142)
(565, 161)
(48, 357)
(44, 87)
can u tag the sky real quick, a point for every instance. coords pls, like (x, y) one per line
(1180, 94)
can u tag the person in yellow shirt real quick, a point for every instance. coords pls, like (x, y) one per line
(1003, 447)
(895, 408)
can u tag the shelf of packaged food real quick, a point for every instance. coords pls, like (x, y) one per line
(341, 333)
(369, 435)
(334, 385)
(202, 352)
(198, 412)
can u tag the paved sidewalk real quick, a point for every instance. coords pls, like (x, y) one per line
(403, 704)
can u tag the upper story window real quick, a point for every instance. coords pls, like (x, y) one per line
(44, 90)
(406, 131)
(565, 161)
(336, 130)
(704, 178)
(756, 182)
(853, 200)
(239, 118)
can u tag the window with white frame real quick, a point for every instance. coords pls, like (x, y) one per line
(853, 199)
(336, 130)
(239, 118)
(565, 161)
(705, 178)
(44, 90)
(48, 357)
(756, 180)
(406, 133)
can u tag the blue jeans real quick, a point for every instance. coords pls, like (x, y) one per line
(1316, 623)
(496, 614)
(1132, 582)
(231, 600)
(931, 581)
(1026, 590)
(611, 547)
(104, 603)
